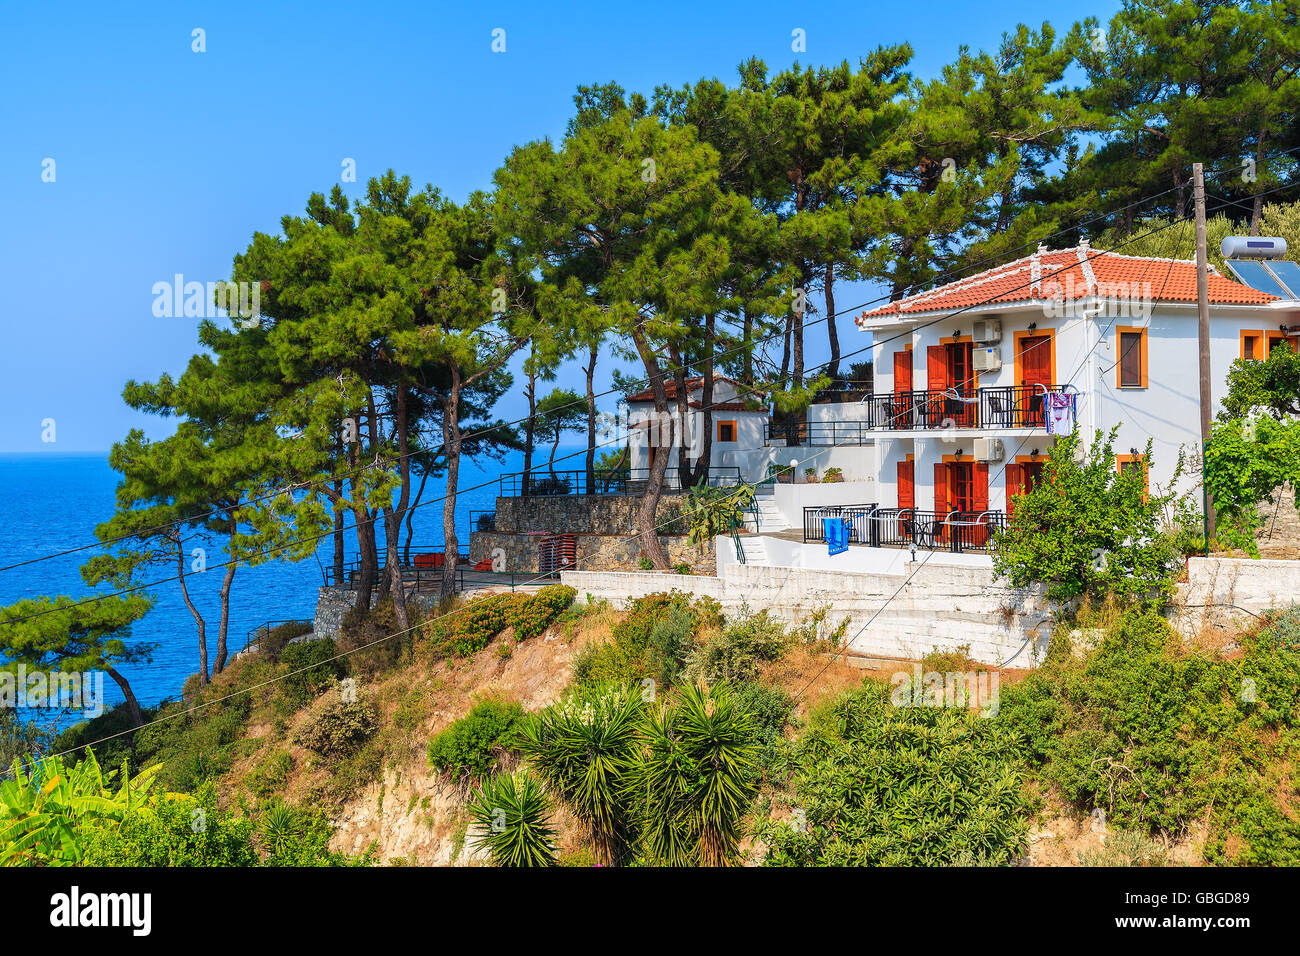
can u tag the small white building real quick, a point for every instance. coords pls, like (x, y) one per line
(962, 371)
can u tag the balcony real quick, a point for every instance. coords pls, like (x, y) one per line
(804, 434)
(957, 531)
(1000, 406)
(621, 481)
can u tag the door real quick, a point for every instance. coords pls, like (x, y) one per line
(900, 410)
(1035, 370)
(978, 535)
(906, 494)
(938, 374)
(961, 379)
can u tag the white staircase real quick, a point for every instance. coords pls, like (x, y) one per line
(755, 551)
(769, 516)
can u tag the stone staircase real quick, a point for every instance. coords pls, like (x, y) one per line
(769, 517)
(755, 550)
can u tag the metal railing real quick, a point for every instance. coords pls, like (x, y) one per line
(936, 531)
(999, 406)
(482, 521)
(424, 572)
(797, 434)
(843, 390)
(814, 527)
(254, 636)
(626, 481)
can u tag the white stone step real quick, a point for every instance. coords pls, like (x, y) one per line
(755, 551)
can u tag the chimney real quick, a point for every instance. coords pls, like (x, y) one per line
(1084, 244)
(1042, 249)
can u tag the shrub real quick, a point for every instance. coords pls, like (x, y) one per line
(474, 745)
(737, 651)
(535, 614)
(628, 657)
(371, 642)
(272, 641)
(901, 786)
(769, 707)
(185, 831)
(512, 814)
(1160, 736)
(671, 639)
(337, 728)
(645, 564)
(312, 666)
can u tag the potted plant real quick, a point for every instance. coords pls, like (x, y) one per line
(810, 474)
(832, 474)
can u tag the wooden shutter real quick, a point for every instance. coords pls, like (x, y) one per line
(980, 500)
(941, 489)
(1130, 360)
(907, 484)
(1013, 486)
(903, 371)
(936, 367)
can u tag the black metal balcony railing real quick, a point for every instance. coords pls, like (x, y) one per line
(814, 524)
(802, 434)
(957, 531)
(999, 406)
(626, 481)
(843, 390)
(424, 572)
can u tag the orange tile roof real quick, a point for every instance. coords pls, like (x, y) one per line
(1053, 274)
(670, 386)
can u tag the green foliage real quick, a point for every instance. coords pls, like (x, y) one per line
(1246, 462)
(473, 745)
(1089, 529)
(769, 709)
(584, 748)
(512, 813)
(879, 785)
(273, 640)
(19, 739)
(337, 727)
(177, 831)
(738, 651)
(1272, 384)
(312, 666)
(695, 778)
(633, 652)
(709, 511)
(1159, 735)
(470, 628)
(44, 809)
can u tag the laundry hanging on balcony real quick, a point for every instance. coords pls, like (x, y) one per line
(1059, 412)
(837, 535)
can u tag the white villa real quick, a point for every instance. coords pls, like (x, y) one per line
(973, 381)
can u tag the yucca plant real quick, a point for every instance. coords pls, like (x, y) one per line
(43, 810)
(696, 778)
(584, 748)
(512, 814)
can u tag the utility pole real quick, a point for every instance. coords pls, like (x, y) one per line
(1203, 338)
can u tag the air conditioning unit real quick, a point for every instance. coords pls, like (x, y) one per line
(986, 360)
(988, 449)
(989, 330)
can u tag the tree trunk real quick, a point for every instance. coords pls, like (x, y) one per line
(648, 510)
(219, 664)
(132, 705)
(410, 513)
(747, 331)
(591, 419)
(530, 432)
(703, 462)
(198, 618)
(833, 368)
(393, 516)
(363, 523)
(796, 344)
(683, 416)
(451, 442)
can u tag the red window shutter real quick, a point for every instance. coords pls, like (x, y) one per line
(903, 371)
(980, 493)
(936, 367)
(941, 488)
(906, 484)
(1013, 486)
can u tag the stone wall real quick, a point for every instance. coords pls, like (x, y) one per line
(1221, 594)
(333, 603)
(902, 615)
(592, 551)
(580, 514)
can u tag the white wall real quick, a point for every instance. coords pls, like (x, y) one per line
(899, 614)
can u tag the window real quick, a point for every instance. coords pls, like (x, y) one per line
(1125, 463)
(1132, 364)
(727, 431)
(1250, 345)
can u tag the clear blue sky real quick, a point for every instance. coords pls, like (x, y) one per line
(167, 161)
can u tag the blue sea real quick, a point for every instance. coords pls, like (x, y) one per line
(52, 502)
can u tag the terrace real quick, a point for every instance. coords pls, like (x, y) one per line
(624, 481)
(876, 527)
